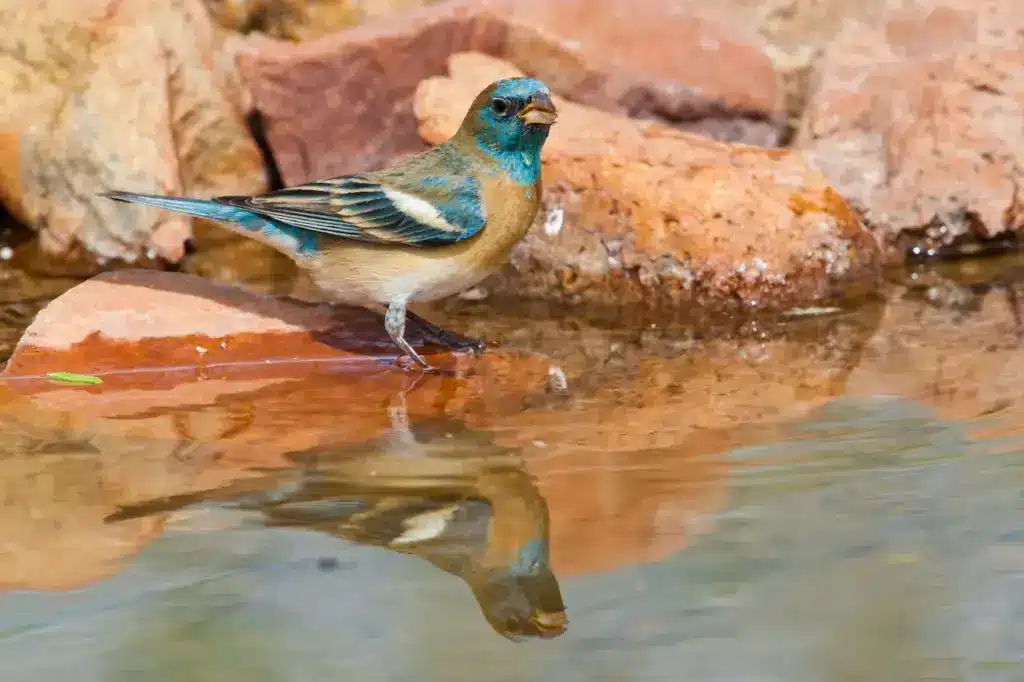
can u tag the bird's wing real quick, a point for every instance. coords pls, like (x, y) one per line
(377, 207)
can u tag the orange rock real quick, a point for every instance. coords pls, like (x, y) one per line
(643, 215)
(916, 119)
(344, 103)
(131, 95)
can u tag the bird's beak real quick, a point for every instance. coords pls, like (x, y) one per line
(539, 110)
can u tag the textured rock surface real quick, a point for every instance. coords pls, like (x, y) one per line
(302, 19)
(139, 319)
(132, 95)
(916, 117)
(344, 103)
(643, 215)
(662, 59)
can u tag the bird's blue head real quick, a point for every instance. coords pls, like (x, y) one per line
(510, 118)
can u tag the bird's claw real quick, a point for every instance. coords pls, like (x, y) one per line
(444, 338)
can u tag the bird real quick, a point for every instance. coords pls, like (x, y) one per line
(430, 226)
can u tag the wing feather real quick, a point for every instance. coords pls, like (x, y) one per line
(441, 210)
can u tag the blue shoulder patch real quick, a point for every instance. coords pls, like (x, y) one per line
(462, 205)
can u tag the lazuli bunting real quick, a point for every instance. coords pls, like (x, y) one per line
(429, 227)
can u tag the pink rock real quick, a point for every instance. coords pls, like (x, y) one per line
(344, 103)
(917, 119)
(134, 320)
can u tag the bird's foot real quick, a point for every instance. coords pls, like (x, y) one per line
(408, 363)
(444, 338)
(456, 342)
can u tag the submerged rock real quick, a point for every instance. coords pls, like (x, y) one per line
(131, 95)
(640, 214)
(344, 103)
(916, 117)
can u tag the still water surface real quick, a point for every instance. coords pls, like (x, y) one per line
(833, 498)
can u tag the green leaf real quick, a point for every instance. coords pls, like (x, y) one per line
(71, 378)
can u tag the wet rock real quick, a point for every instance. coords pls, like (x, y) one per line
(134, 95)
(132, 319)
(639, 214)
(916, 118)
(344, 103)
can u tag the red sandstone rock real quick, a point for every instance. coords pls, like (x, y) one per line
(639, 214)
(129, 95)
(141, 319)
(917, 119)
(344, 103)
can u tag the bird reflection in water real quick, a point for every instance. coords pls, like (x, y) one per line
(435, 490)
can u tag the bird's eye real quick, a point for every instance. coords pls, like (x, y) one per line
(501, 106)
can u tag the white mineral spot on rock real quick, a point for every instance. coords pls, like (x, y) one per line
(553, 221)
(201, 350)
(557, 380)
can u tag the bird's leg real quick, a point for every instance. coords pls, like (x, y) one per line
(443, 337)
(394, 323)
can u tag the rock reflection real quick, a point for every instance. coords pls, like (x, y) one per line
(436, 491)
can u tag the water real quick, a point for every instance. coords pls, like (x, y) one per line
(828, 498)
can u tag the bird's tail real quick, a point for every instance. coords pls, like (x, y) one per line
(200, 208)
(287, 239)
